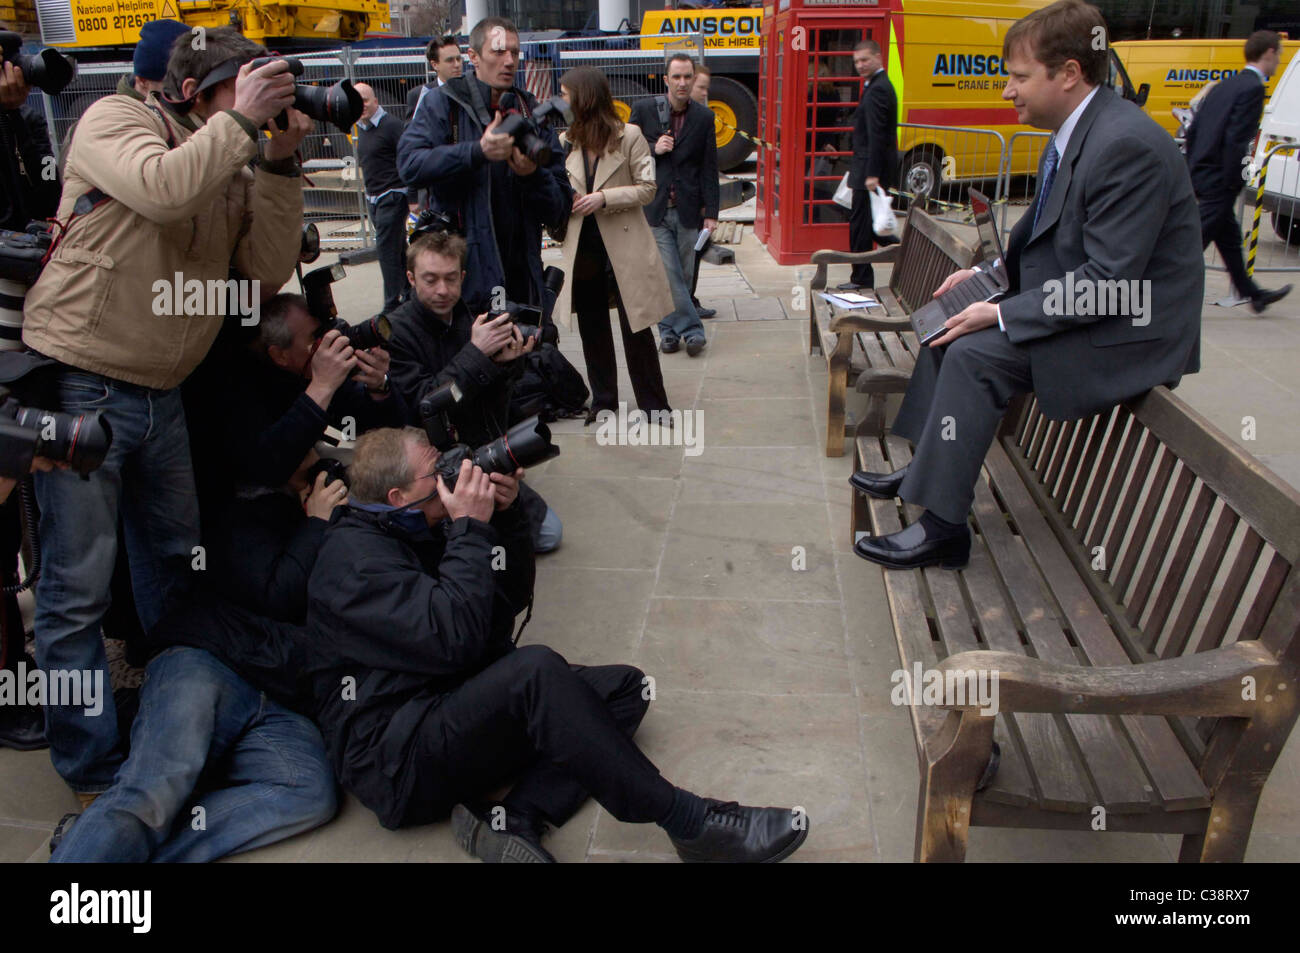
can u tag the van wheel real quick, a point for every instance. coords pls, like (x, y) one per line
(922, 171)
(1287, 228)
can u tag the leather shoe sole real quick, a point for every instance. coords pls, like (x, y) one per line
(1264, 299)
(879, 487)
(952, 553)
(477, 838)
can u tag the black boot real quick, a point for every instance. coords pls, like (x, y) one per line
(22, 727)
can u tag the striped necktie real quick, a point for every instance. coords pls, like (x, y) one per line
(1050, 159)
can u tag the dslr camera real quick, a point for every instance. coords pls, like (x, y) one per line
(373, 332)
(339, 104)
(526, 444)
(21, 256)
(79, 440)
(431, 221)
(528, 132)
(49, 70)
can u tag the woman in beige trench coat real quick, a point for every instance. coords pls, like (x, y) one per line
(610, 254)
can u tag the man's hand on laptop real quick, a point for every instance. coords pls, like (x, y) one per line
(955, 278)
(980, 315)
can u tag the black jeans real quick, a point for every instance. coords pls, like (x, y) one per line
(389, 215)
(1218, 225)
(862, 236)
(565, 731)
(591, 302)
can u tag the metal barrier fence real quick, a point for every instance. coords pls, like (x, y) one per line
(1269, 212)
(942, 162)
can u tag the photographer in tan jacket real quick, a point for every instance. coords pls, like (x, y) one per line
(151, 205)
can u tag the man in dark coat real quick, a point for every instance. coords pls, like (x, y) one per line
(426, 704)
(497, 196)
(1218, 147)
(875, 154)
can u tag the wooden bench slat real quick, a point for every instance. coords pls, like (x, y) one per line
(1109, 480)
(896, 347)
(1070, 439)
(1274, 578)
(1234, 586)
(1115, 527)
(1199, 590)
(1085, 467)
(1179, 563)
(1157, 489)
(1160, 547)
(1108, 761)
(1174, 778)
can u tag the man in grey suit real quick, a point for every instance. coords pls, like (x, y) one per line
(1106, 286)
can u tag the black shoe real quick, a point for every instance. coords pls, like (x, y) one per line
(669, 345)
(593, 414)
(22, 727)
(694, 346)
(1262, 300)
(707, 313)
(883, 486)
(734, 834)
(61, 830)
(519, 842)
(914, 549)
(849, 286)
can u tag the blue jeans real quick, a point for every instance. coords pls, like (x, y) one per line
(148, 475)
(205, 738)
(677, 248)
(389, 215)
(546, 538)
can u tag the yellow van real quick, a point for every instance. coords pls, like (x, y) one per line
(1179, 69)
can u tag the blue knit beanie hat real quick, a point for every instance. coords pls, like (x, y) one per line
(155, 47)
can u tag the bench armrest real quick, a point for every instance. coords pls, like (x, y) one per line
(1207, 684)
(829, 256)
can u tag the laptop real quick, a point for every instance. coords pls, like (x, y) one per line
(986, 285)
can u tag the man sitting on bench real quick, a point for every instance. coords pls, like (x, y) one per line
(1106, 282)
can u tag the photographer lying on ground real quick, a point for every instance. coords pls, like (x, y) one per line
(436, 340)
(217, 767)
(427, 705)
(146, 198)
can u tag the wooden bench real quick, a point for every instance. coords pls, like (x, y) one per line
(926, 254)
(1132, 582)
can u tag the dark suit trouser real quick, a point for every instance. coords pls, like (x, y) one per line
(565, 731)
(1219, 225)
(862, 236)
(389, 216)
(591, 302)
(951, 411)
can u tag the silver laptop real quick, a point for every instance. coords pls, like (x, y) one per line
(986, 285)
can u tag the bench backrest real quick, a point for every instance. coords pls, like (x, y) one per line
(1186, 542)
(928, 254)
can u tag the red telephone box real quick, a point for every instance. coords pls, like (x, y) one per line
(807, 93)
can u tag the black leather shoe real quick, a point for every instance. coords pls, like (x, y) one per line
(707, 313)
(734, 834)
(849, 286)
(518, 842)
(1265, 298)
(914, 549)
(883, 486)
(669, 345)
(22, 727)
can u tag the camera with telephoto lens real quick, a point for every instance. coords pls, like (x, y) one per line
(339, 104)
(526, 444)
(529, 132)
(373, 332)
(49, 70)
(528, 319)
(21, 256)
(435, 412)
(79, 440)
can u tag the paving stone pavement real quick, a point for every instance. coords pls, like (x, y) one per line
(771, 681)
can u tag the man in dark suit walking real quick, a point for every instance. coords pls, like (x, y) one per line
(680, 134)
(1106, 284)
(875, 153)
(1218, 145)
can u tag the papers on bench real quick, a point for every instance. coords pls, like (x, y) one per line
(851, 301)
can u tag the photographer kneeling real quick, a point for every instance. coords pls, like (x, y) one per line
(146, 199)
(427, 705)
(436, 340)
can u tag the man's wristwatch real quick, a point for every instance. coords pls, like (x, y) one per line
(383, 388)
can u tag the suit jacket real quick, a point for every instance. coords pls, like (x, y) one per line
(875, 134)
(1121, 209)
(692, 166)
(1222, 133)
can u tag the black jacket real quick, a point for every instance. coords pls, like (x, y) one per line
(404, 619)
(377, 153)
(251, 423)
(427, 353)
(1221, 135)
(26, 192)
(875, 134)
(691, 167)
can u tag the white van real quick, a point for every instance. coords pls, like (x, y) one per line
(1282, 182)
